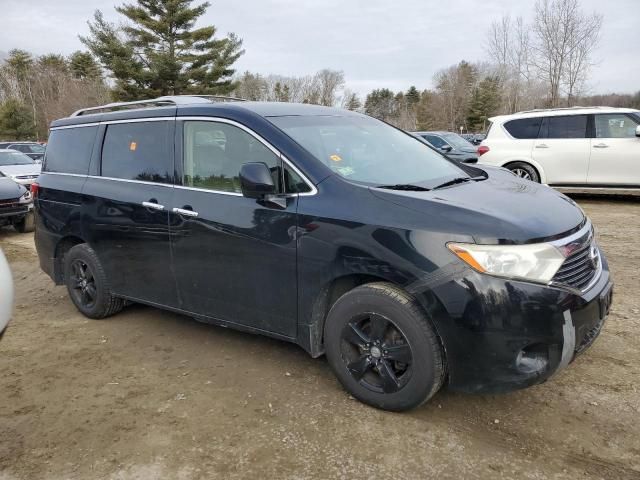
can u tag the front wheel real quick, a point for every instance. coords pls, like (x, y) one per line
(382, 348)
(524, 170)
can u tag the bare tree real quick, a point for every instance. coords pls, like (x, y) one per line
(564, 40)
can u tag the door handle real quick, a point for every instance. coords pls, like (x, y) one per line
(542, 145)
(153, 205)
(601, 145)
(185, 212)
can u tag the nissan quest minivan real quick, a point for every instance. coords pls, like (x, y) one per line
(326, 228)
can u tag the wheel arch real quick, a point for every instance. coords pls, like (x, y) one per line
(65, 244)
(324, 300)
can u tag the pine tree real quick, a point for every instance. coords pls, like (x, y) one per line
(16, 121)
(485, 101)
(412, 96)
(160, 52)
(83, 66)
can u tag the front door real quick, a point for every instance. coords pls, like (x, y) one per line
(234, 257)
(562, 148)
(126, 210)
(615, 150)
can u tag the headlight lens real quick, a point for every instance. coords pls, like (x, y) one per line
(537, 262)
(26, 198)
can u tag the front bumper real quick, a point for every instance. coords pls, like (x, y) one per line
(488, 325)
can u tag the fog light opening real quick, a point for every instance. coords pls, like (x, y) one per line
(533, 358)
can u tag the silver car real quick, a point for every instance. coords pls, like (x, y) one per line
(6, 294)
(19, 167)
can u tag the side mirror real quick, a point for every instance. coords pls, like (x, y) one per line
(638, 131)
(256, 181)
(446, 148)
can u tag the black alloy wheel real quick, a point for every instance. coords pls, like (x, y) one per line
(377, 353)
(83, 284)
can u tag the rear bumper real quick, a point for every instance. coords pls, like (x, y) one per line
(502, 335)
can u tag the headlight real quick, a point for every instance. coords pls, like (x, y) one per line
(26, 198)
(537, 262)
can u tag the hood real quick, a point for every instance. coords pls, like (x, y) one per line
(14, 170)
(503, 209)
(10, 189)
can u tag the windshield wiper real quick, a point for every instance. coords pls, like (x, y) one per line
(458, 180)
(405, 186)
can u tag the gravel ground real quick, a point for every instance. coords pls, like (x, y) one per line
(149, 394)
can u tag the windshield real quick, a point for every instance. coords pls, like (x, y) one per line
(366, 150)
(14, 158)
(456, 140)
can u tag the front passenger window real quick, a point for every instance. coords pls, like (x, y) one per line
(214, 153)
(615, 125)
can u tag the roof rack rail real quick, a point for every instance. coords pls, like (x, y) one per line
(158, 102)
(577, 107)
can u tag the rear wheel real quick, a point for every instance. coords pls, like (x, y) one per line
(88, 285)
(382, 348)
(524, 170)
(26, 225)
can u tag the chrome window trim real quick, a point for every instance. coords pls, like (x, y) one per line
(306, 180)
(309, 183)
(206, 190)
(79, 125)
(126, 180)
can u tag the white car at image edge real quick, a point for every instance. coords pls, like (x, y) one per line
(586, 147)
(6, 294)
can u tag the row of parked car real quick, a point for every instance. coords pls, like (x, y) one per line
(20, 166)
(594, 147)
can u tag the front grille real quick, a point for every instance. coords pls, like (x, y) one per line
(11, 206)
(579, 269)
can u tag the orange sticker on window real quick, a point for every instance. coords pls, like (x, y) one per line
(133, 146)
(336, 158)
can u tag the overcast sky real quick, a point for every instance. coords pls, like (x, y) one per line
(377, 43)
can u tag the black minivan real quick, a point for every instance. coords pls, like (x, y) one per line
(326, 228)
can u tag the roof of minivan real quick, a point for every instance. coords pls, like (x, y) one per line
(561, 111)
(263, 109)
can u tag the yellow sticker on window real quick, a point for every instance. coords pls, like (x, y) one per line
(133, 146)
(336, 158)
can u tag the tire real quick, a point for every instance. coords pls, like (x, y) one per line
(88, 285)
(26, 225)
(524, 170)
(407, 367)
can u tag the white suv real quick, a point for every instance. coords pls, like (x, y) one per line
(585, 147)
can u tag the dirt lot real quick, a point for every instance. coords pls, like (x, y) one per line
(149, 394)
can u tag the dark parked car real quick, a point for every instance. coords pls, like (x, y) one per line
(32, 149)
(328, 229)
(16, 205)
(452, 145)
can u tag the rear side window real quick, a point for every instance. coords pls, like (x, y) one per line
(69, 150)
(524, 128)
(138, 151)
(566, 126)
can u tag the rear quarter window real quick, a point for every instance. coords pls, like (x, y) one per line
(524, 128)
(69, 150)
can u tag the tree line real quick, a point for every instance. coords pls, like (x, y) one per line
(158, 50)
